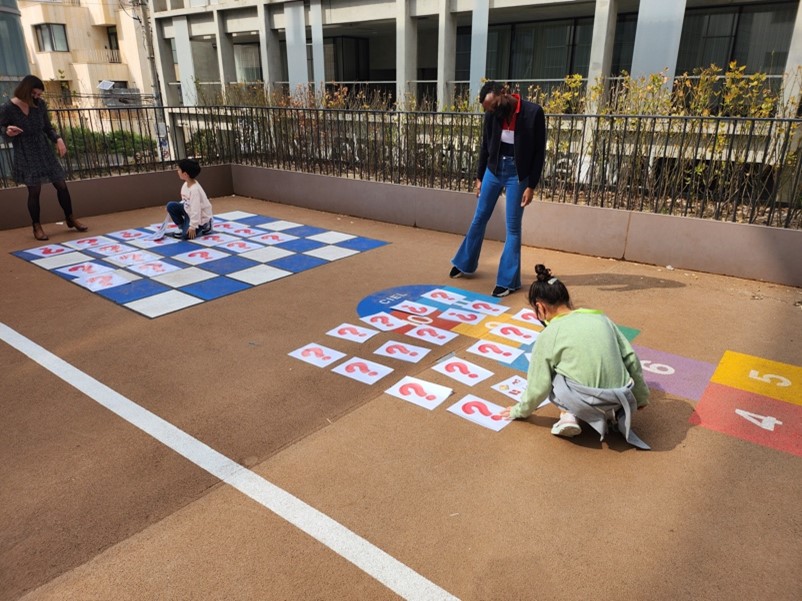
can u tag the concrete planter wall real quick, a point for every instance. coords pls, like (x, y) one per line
(747, 251)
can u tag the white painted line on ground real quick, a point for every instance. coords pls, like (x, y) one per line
(393, 574)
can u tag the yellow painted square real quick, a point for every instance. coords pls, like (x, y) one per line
(773, 379)
(482, 329)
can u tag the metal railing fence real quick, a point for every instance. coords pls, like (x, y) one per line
(745, 170)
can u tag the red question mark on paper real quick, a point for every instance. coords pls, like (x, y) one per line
(430, 332)
(415, 310)
(52, 251)
(381, 319)
(154, 267)
(214, 237)
(359, 366)
(466, 316)
(317, 352)
(244, 230)
(513, 330)
(400, 348)
(103, 280)
(271, 237)
(84, 268)
(130, 234)
(439, 294)
(409, 388)
(453, 366)
(484, 306)
(485, 348)
(88, 241)
(237, 245)
(529, 316)
(350, 330)
(203, 254)
(474, 406)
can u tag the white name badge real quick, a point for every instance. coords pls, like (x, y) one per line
(508, 136)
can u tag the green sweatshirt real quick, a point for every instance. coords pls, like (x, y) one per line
(586, 347)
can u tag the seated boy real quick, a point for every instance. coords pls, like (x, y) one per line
(193, 215)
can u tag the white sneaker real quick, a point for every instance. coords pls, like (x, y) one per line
(566, 427)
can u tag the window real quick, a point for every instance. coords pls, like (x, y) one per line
(624, 45)
(758, 36)
(247, 63)
(51, 37)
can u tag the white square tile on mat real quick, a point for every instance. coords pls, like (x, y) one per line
(267, 254)
(259, 274)
(184, 277)
(233, 216)
(278, 226)
(161, 304)
(331, 237)
(331, 253)
(61, 260)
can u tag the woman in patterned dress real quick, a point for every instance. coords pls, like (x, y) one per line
(25, 121)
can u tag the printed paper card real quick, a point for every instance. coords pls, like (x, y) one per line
(529, 317)
(152, 268)
(414, 308)
(127, 235)
(132, 258)
(495, 350)
(109, 250)
(214, 239)
(432, 334)
(463, 371)
(245, 231)
(89, 242)
(513, 387)
(83, 269)
(362, 370)
(443, 296)
(461, 316)
(480, 411)
(48, 250)
(420, 392)
(348, 331)
(515, 333)
(147, 242)
(104, 281)
(484, 307)
(274, 238)
(240, 246)
(196, 257)
(384, 321)
(403, 351)
(226, 226)
(317, 354)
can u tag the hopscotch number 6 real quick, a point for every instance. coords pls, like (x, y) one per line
(657, 368)
(766, 422)
(767, 378)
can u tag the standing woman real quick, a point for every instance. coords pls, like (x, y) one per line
(25, 121)
(511, 158)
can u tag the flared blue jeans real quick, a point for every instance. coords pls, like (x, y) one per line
(467, 257)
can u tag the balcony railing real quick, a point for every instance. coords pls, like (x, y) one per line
(96, 56)
(745, 170)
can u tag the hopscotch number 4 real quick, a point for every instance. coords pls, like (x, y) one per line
(766, 422)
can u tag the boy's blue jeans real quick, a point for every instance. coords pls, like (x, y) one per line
(467, 257)
(180, 217)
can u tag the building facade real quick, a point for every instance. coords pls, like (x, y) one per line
(13, 59)
(89, 52)
(445, 48)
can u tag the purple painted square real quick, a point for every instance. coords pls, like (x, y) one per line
(673, 374)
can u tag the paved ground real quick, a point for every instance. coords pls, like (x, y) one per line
(411, 502)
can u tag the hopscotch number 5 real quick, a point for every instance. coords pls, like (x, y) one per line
(766, 422)
(657, 368)
(767, 378)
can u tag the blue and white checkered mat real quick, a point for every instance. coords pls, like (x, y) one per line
(156, 277)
